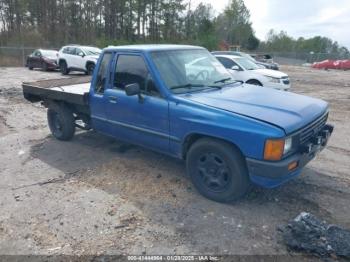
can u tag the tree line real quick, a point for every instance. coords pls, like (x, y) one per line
(282, 42)
(52, 23)
(104, 22)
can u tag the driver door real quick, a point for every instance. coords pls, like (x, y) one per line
(139, 121)
(79, 60)
(36, 59)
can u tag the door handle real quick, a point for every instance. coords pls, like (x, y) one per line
(112, 99)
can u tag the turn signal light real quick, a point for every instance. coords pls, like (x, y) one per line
(274, 149)
(293, 165)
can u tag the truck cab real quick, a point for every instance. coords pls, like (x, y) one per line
(230, 134)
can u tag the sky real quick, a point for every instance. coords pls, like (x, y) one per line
(306, 18)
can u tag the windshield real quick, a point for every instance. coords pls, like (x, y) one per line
(247, 64)
(49, 53)
(249, 57)
(189, 70)
(91, 50)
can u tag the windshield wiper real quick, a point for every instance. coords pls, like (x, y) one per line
(189, 86)
(223, 80)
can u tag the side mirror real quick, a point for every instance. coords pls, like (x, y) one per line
(81, 54)
(236, 68)
(133, 90)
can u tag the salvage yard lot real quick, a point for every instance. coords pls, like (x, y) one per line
(94, 195)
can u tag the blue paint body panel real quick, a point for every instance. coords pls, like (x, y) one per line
(240, 114)
(273, 182)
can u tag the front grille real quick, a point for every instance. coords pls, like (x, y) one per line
(312, 129)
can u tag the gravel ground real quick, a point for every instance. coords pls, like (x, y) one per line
(93, 195)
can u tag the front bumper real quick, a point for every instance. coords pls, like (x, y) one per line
(51, 65)
(279, 86)
(272, 174)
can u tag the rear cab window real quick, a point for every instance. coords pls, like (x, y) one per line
(102, 76)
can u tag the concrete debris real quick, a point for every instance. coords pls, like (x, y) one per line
(309, 234)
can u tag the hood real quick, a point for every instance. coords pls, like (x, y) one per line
(286, 110)
(271, 73)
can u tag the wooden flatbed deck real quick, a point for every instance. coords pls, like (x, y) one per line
(71, 90)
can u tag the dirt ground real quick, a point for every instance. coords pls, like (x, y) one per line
(94, 195)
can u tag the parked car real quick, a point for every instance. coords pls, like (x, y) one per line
(44, 59)
(265, 58)
(272, 65)
(230, 134)
(245, 70)
(78, 58)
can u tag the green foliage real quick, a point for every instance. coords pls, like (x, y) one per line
(117, 22)
(280, 42)
(234, 25)
(252, 42)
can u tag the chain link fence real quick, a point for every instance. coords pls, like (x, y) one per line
(299, 58)
(15, 56)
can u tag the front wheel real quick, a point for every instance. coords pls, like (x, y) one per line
(64, 68)
(90, 69)
(61, 122)
(254, 82)
(217, 170)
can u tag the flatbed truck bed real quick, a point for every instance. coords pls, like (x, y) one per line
(69, 90)
(72, 93)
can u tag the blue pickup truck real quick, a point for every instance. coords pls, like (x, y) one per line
(180, 101)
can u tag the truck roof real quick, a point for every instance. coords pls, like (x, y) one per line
(153, 47)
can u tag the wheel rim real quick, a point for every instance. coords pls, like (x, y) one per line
(213, 172)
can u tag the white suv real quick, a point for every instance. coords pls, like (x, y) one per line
(78, 58)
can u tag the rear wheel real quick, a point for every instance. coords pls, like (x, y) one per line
(64, 68)
(61, 122)
(218, 170)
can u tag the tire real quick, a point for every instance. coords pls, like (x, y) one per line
(254, 82)
(217, 170)
(30, 68)
(45, 67)
(61, 122)
(90, 69)
(64, 68)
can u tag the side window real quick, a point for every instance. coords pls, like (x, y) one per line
(77, 51)
(228, 63)
(65, 50)
(132, 69)
(100, 85)
(72, 51)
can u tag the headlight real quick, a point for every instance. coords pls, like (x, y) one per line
(287, 145)
(276, 148)
(273, 79)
